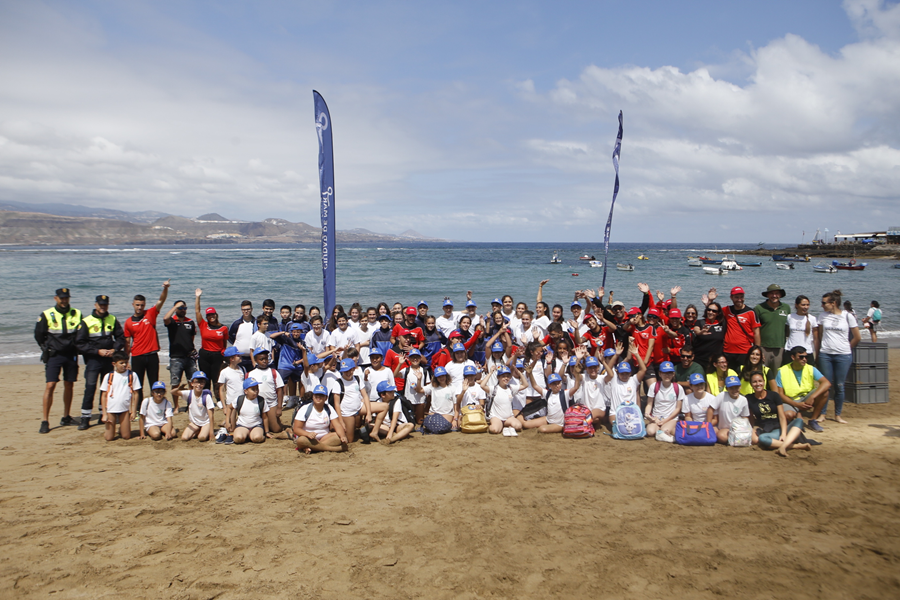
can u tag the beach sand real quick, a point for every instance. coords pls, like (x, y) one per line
(453, 516)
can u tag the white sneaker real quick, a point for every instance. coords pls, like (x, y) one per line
(507, 431)
(513, 432)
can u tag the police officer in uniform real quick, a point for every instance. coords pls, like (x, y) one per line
(55, 334)
(99, 335)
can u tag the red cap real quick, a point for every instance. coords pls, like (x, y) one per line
(737, 290)
(654, 312)
(667, 304)
(455, 334)
(410, 311)
(211, 311)
(675, 313)
(404, 332)
(634, 310)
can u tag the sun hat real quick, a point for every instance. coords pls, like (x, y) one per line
(774, 288)
(617, 303)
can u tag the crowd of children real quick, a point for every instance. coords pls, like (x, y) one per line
(382, 373)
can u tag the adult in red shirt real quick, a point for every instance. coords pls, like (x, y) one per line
(142, 340)
(677, 336)
(410, 324)
(213, 340)
(599, 337)
(444, 356)
(741, 328)
(644, 336)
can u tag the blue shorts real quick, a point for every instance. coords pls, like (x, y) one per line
(293, 374)
(67, 364)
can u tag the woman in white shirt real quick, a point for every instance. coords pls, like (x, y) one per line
(803, 327)
(313, 423)
(838, 335)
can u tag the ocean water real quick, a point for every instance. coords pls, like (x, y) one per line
(404, 272)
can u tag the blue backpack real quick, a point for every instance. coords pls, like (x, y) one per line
(629, 423)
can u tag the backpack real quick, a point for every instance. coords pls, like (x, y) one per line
(203, 396)
(426, 379)
(110, 380)
(741, 433)
(695, 433)
(340, 381)
(579, 422)
(260, 401)
(307, 410)
(473, 420)
(406, 408)
(435, 423)
(876, 315)
(629, 424)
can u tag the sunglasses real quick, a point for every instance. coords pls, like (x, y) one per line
(712, 310)
(804, 357)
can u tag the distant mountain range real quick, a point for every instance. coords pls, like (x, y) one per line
(43, 224)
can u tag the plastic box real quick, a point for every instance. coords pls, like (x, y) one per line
(869, 353)
(872, 393)
(867, 374)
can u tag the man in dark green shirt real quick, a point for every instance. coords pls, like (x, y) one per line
(685, 367)
(772, 314)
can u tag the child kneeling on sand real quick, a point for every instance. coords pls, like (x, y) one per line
(398, 423)
(119, 397)
(156, 414)
(201, 408)
(248, 419)
(556, 399)
(313, 423)
(501, 413)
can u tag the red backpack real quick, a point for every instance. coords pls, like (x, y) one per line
(579, 422)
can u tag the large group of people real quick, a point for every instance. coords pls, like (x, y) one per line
(381, 373)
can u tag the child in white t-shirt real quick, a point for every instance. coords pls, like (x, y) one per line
(416, 380)
(248, 416)
(119, 395)
(557, 400)
(593, 390)
(732, 405)
(201, 408)
(391, 425)
(271, 387)
(313, 422)
(231, 385)
(260, 339)
(502, 415)
(664, 401)
(156, 414)
(700, 405)
(621, 385)
(470, 394)
(372, 376)
(350, 398)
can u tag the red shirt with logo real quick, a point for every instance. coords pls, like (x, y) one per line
(213, 340)
(143, 332)
(739, 329)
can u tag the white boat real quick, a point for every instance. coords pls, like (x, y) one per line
(625, 267)
(556, 260)
(695, 262)
(784, 266)
(596, 263)
(715, 271)
(824, 268)
(731, 265)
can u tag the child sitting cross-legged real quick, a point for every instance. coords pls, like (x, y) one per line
(313, 423)
(156, 415)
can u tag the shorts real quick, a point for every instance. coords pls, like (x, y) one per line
(294, 374)
(353, 412)
(178, 366)
(67, 364)
(874, 325)
(250, 428)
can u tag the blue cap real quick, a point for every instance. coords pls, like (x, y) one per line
(438, 371)
(414, 352)
(496, 301)
(609, 352)
(520, 363)
(470, 303)
(250, 382)
(457, 347)
(159, 385)
(312, 359)
(448, 302)
(258, 351)
(666, 367)
(730, 381)
(422, 303)
(385, 386)
(503, 370)
(230, 351)
(199, 375)
(497, 347)
(347, 365)
(376, 351)
(470, 370)
(696, 378)
(576, 303)
(320, 390)
(388, 317)
(554, 378)
(295, 327)
(572, 361)
(623, 367)
(591, 361)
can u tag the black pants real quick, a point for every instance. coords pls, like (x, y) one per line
(211, 363)
(735, 361)
(146, 364)
(95, 368)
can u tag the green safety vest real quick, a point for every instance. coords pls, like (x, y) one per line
(100, 327)
(59, 324)
(789, 381)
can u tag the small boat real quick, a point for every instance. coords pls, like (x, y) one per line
(823, 268)
(715, 271)
(711, 261)
(586, 257)
(749, 264)
(556, 260)
(785, 258)
(897, 266)
(850, 265)
(730, 265)
(643, 257)
(784, 266)
(596, 263)
(574, 274)
(695, 262)
(625, 267)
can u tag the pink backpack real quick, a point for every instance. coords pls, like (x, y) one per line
(579, 422)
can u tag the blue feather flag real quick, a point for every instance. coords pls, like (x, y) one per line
(612, 206)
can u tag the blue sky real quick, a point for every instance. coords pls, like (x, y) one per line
(744, 121)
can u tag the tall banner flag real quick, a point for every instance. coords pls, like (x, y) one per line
(326, 189)
(615, 159)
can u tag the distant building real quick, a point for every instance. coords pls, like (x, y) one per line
(871, 237)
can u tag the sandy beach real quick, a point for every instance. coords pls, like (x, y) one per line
(451, 516)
